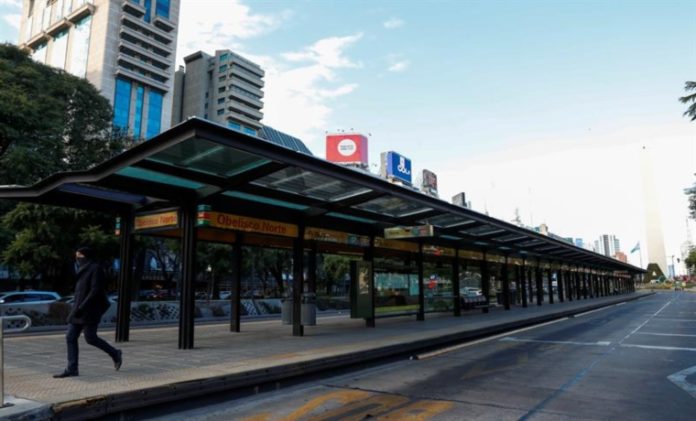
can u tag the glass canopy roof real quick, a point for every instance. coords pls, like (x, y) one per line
(211, 164)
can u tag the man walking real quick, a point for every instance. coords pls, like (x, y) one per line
(90, 303)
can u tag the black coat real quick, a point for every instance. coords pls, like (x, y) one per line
(90, 301)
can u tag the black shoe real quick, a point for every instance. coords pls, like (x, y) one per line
(66, 373)
(118, 360)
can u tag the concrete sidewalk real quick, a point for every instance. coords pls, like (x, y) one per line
(155, 371)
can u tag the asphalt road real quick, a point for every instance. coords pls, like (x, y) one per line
(631, 361)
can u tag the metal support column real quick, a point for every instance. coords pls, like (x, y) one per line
(312, 268)
(585, 288)
(506, 284)
(125, 276)
(549, 285)
(457, 304)
(523, 283)
(530, 282)
(420, 316)
(236, 293)
(591, 284)
(560, 286)
(187, 300)
(539, 284)
(578, 289)
(486, 281)
(369, 256)
(297, 280)
(567, 285)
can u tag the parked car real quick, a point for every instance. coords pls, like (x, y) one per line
(470, 292)
(34, 297)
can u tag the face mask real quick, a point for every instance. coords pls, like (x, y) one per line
(81, 261)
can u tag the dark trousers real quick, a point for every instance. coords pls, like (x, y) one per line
(90, 331)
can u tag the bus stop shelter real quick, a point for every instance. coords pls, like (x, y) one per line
(200, 181)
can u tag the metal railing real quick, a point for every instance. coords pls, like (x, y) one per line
(3, 319)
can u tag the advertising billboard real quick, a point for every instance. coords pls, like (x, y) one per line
(429, 183)
(396, 166)
(346, 148)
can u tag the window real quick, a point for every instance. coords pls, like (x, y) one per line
(221, 100)
(222, 78)
(148, 10)
(137, 124)
(222, 68)
(60, 47)
(40, 54)
(223, 57)
(221, 111)
(154, 113)
(30, 9)
(46, 21)
(221, 89)
(162, 8)
(234, 125)
(80, 47)
(122, 103)
(249, 130)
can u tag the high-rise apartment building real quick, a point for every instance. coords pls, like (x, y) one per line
(125, 48)
(607, 245)
(225, 88)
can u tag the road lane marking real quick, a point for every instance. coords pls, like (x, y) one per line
(620, 304)
(512, 339)
(646, 322)
(666, 334)
(667, 319)
(419, 411)
(592, 311)
(679, 378)
(478, 341)
(663, 348)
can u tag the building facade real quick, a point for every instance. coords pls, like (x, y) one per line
(225, 88)
(607, 245)
(125, 48)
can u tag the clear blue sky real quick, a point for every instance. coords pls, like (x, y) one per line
(549, 98)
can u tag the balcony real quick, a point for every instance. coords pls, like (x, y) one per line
(150, 31)
(159, 61)
(164, 24)
(36, 40)
(248, 77)
(243, 119)
(249, 87)
(76, 15)
(58, 26)
(254, 103)
(130, 74)
(244, 110)
(145, 40)
(134, 9)
(146, 67)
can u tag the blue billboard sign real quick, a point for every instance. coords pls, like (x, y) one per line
(398, 167)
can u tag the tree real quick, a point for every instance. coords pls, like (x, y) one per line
(691, 192)
(690, 261)
(50, 121)
(691, 111)
(45, 240)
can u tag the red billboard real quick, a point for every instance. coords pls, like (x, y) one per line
(346, 148)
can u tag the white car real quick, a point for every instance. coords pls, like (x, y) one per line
(471, 292)
(33, 297)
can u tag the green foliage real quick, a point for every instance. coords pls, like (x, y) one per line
(50, 121)
(691, 98)
(691, 192)
(690, 261)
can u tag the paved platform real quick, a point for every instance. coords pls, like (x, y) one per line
(155, 370)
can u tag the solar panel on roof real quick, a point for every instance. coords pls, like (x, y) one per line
(283, 139)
